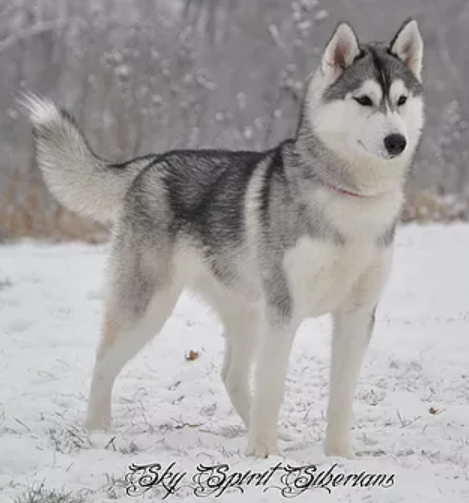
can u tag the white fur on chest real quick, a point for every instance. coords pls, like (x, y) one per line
(360, 219)
(321, 275)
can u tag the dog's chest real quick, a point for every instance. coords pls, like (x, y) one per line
(321, 275)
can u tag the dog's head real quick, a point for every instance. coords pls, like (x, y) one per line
(366, 100)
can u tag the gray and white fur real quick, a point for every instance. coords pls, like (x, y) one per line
(267, 238)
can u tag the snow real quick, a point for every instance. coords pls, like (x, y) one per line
(321, 15)
(411, 410)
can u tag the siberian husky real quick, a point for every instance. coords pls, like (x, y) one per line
(267, 238)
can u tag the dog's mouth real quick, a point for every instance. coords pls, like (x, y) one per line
(363, 147)
(382, 154)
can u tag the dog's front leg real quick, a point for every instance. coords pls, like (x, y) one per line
(352, 332)
(269, 384)
(353, 327)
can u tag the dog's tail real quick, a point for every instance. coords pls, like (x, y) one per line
(78, 178)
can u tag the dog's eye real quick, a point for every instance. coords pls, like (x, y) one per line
(401, 101)
(364, 101)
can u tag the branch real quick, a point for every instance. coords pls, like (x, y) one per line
(30, 32)
(275, 34)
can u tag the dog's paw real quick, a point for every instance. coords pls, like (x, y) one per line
(261, 446)
(261, 451)
(340, 450)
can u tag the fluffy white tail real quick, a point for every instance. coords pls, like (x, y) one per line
(77, 177)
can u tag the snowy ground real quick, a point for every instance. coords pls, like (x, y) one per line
(412, 407)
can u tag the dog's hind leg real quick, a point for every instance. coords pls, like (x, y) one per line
(142, 297)
(226, 359)
(241, 327)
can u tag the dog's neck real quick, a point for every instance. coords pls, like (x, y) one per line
(351, 177)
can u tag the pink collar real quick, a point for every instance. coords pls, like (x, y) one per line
(347, 192)
(350, 193)
(343, 191)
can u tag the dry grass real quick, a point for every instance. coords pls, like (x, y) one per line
(30, 212)
(425, 207)
(41, 494)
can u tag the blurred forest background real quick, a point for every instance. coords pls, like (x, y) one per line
(149, 75)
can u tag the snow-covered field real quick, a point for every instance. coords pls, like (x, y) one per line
(412, 406)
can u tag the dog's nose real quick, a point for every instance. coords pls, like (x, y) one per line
(395, 144)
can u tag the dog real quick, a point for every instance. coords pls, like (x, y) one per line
(268, 238)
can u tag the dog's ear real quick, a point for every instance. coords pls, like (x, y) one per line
(342, 49)
(407, 45)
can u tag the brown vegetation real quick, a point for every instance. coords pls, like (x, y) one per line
(32, 215)
(425, 206)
